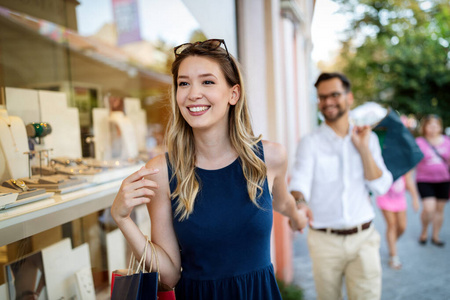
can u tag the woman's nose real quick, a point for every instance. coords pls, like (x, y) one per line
(194, 93)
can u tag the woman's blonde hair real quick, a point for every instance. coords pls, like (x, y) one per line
(180, 138)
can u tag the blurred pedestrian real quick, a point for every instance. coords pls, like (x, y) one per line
(336, 167)
(211, 196)
(433, 177)
(393, 205)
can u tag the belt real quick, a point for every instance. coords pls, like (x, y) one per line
(345, 231)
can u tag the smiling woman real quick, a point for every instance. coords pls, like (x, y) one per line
(210, 196)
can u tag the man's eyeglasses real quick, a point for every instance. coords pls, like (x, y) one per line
(208, 45)
(333, 96)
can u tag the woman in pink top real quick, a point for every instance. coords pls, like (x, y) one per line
(393, 206)
(433, 177)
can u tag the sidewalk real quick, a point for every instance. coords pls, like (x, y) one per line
(426, 269)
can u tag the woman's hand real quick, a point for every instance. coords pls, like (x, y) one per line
(136, 189)
(302, 217)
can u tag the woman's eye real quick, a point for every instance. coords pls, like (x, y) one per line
(182, 83)
(208, 82)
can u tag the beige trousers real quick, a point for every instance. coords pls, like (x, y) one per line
(355, 257)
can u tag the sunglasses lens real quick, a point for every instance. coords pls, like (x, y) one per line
(212, 44)
(181, 48)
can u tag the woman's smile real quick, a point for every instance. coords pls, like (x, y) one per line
(196, 110)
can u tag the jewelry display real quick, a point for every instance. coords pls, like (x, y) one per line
(39, 130)
(9, 125)
(16, 184)
(20, 184)
(41, 168)
(54, 183)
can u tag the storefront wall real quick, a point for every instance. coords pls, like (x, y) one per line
(275, 47)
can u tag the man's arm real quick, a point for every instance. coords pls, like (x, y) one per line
(376, 175)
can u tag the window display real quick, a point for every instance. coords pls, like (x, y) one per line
(64, 145)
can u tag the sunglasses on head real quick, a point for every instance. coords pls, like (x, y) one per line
(208, 45)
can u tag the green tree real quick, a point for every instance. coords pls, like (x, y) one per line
(396, 53)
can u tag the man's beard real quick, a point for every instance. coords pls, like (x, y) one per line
(340, 113)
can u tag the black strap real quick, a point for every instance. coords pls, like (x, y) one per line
(435, 150)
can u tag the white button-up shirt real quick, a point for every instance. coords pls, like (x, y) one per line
(329, 172)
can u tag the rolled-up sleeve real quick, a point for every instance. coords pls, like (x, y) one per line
(382, 184)
(302, 170)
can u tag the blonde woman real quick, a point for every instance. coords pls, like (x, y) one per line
(210, 198)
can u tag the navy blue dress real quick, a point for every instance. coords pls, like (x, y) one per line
(225, 242)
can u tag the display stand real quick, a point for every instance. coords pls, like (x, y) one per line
(65, 139)
(13, 144)
(125, 134)
(114, 134)
(138, 117)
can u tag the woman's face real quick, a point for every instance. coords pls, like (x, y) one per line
(203, 95)
(433, 128)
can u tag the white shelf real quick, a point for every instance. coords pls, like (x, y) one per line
(57, 212)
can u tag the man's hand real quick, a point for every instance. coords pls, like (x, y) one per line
(361, 137)
(304, 213)
(298, 221)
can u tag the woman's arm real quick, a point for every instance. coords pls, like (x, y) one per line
(150, 185)
(412, 189)
(283, 201)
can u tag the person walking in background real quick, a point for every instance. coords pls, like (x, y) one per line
(433, 177)
(393, 204)
(210, 197)
(336, 166)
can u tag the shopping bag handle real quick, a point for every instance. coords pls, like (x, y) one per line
(141, 264)
(155, 255)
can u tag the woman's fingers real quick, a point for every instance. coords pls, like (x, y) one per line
(139, 184)
(139, 174)
(142, 192)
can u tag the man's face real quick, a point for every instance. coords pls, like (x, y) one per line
(334, 101)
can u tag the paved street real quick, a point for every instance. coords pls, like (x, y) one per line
(426, 269)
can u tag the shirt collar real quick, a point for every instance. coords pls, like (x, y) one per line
(330, 134)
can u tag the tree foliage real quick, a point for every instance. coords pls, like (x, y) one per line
(396, 53)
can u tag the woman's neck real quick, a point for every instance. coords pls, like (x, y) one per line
(213, 149)
(434, 139)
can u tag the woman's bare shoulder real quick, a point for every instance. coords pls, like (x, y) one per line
(159, 162)
(274, 154)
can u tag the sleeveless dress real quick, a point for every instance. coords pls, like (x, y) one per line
(395, 199)
(225, 242)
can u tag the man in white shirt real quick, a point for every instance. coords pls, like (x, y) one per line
(336, 166)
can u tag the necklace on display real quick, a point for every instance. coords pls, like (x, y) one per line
(9, 124)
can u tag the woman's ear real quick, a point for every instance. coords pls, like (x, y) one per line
(235, 94)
